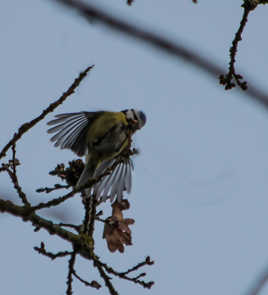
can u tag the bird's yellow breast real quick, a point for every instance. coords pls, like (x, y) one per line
(104, 123)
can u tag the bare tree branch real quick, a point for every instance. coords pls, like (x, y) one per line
(92, 13)
(147, 261)
(48, 190)
(69, 290)
(106, 278)
(123, 275)
(26, 214)
(259, 284)
(227, 79)
(53, 202)
(93, 284)
(42, 250)
(13, 176)
(28, 125)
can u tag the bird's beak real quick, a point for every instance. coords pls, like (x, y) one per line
(135, 123)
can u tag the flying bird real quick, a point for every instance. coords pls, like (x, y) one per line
(101, 136)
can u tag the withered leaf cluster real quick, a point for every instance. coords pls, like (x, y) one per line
(116, 230)
(70, 174)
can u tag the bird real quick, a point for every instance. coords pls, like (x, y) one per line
(102, 137)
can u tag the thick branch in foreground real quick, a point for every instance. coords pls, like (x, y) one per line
(92, 13)
(259, 284)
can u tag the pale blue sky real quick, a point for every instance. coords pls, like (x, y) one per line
(200, 185)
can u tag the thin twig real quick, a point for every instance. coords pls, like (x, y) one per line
(147, 261)
(52, 256)
(13, 176)
(14, 166)
(93, 284)
(48, 190)
(10, 164)
(227, 79)
(102, 220)
(26, 126)
(54, 202)
(106, 278)
(75, 227)
(69, 290)
(17, 187)
(123, 275)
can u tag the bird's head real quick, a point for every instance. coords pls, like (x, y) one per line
(136, 118)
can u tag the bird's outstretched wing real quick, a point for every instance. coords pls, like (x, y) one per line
(71, 130)
(119, 180)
